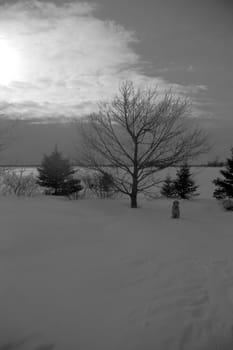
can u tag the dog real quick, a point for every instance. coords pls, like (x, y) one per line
(175, 210)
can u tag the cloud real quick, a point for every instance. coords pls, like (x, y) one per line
(70, 59)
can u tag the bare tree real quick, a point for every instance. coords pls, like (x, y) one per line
(17, 182)
(137, 134)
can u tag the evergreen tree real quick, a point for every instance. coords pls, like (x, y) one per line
(225, 186)
(184, 184)
(56, 173)
(168, 188)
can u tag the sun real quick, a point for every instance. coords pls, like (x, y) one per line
(10, 63)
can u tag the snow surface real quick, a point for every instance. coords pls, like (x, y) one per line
(97, 275)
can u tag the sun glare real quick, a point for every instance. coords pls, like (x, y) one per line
(10, 63)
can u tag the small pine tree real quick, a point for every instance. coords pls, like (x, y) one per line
(56, 174)
(168, 188)
(184, 184)
(225, 186)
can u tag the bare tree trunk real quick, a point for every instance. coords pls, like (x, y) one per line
(134, 192)
(133, 200)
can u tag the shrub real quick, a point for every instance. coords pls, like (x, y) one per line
(71, 188)
(228, 204)
(100, 184)
(18, 183)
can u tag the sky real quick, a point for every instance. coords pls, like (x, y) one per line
(59, 58)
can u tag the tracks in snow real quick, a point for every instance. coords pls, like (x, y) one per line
(195, 297)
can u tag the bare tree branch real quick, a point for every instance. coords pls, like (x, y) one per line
(138, 134)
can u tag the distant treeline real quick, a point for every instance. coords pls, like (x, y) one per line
(210, 164)
(13, 166)
(215, 163)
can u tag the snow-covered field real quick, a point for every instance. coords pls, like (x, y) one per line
(97, 275)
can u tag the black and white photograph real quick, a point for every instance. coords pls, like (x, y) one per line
(116, 174)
